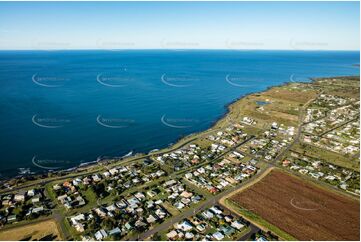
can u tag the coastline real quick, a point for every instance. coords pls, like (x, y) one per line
(89, 165)
(282, 98)
(94, 163)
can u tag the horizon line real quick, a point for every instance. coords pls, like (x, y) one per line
(180, 49)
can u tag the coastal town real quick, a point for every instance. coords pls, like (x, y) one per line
(193, 190)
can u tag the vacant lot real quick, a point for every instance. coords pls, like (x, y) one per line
(341, 86)
(302, 209)
(329, 156)
(293, 92)
(45, 230)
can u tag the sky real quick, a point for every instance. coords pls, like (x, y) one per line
(180, 25)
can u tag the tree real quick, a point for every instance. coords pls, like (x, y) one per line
(92, 225)
(157, 237)
(108, 223)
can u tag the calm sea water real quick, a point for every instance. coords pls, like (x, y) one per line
(62, 108)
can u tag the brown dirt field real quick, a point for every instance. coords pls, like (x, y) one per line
(302, 209)
(34, 231)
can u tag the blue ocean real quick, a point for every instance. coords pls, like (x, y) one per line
(60, 109)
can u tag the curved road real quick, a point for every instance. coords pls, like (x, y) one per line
(190, 212)
(42, 183)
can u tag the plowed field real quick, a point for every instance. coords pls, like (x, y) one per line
(302, 209)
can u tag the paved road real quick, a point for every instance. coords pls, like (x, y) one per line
(214, 200)
(43, 183)
(254, 229)
(58, 217)
(208, 203)
(299, 129)
(338, 126)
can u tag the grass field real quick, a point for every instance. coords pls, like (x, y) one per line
(44, 230)
(329, 156)
(282, 105)
(301, 209)
(341, 86)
